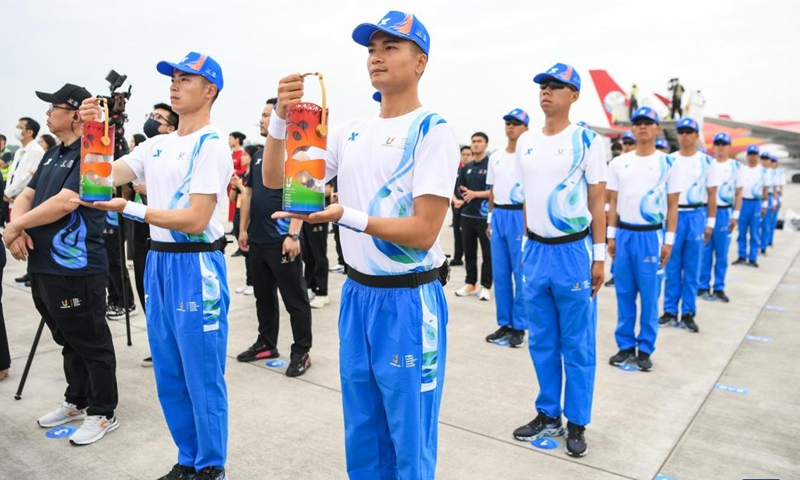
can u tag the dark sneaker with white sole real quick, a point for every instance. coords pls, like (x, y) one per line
(702, 292)
(720, 295)
(499, 334)
(211, 473)
(576, 442)
(179, 472)
(687, 320)
(541, 426)
(739, 261)
(516, 338)
(622, 356)
(668, 319)
(644, 362)
(258, 351)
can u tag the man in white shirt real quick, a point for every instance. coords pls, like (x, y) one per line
(768, 219)
(697, 182)
(752, 180)
(505, 232)
(644, 195)
(780, 183)
(563, 171)
(729, 198)
(26, 159)
(393, 198)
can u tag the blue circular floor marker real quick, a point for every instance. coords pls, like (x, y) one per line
(545, 443)
(627, 367)
(60, 432)
(276, 363)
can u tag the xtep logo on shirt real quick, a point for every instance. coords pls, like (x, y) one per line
(157, 154)
(353, 136)
(49, 161)
(70, 303)
(529, 152)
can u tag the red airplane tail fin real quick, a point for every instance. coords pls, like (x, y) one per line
(610, 94)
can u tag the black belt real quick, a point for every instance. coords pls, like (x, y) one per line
(172, 247)
(508, 207)
(640, 228)
(408, 280)
(723, 206)
(699, 205)
(574, 237)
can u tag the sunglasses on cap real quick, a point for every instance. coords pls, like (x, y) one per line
(514, 123)
(639, 123)
(553, 84)
(628, 143)
(721, 143)
(686, 131)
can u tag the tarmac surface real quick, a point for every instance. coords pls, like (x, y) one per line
(721, 404)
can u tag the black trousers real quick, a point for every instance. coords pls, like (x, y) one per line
(74, 309)
(270, 274)
(118, 277)
(5, 354)
(473, 231)
(141, 232)
(314, 243)
(457, 235)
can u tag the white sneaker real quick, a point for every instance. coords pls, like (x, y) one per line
(311, 294)
(241, 289)
(484, 294)
(248, 290)
(467, 290)
(65, 413)
(93, 429)
(319, 301)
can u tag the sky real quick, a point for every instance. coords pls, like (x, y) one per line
(742, 54)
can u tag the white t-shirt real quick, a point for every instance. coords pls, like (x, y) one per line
(382, 165)
(556, 172)
(175, 167)
(695, 176)
(506, 186)
(26, 161)
(751, 179)
(781, 177)
(642, 185)
(728, 172)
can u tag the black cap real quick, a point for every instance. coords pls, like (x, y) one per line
(70, 94)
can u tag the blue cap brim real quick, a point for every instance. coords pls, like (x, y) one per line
(646, 118)
(168, 68)
(543, 77)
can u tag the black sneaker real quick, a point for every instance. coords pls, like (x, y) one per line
(576, 443)
(541, 426)
(500, 334)
(644, 362)
(258, 351)
(687, 319)
(27, 283)
(667, 319)
(739, 261)
(763, 251)
(456, 263)
(211, 473)
(702, 292)
(179, 472)
(23, 279)
(610, 282)
(721, 295)
(622, 356)
(516, 338)
(298, 365)
(752, 263)
(113, 311)
(147, 362)
(119, 313)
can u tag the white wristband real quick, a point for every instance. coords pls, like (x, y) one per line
(607, 207)
(611, 232)
(669, 238)
(764, 204)
(277, 127)
(599, 252)
(135, 211)
(489, 218)
(711, 222)
(735, 215)
(353, 219)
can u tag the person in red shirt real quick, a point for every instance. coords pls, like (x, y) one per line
(236, 142)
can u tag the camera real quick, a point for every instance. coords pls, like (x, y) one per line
(116, 110)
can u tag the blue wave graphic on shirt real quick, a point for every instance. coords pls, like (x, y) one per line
(402, 206)
(180, 199)
(653, 206)
(282, 225)
(567, 203)
(727, 190)
(69, 244)
(112, 219)
(517, 194)
(484, 208)
(697, 192)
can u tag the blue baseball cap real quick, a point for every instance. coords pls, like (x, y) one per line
(688, 123)
(773, 157)
(645, 112)
(752, 149)
(195, 64)
(722, 137)
(519, 115)
(560, 72)
(661, 143)
(628, 136)
(583, 124)
(765, 155)
(397, 24)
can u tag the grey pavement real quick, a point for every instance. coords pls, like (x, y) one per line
(721, 404)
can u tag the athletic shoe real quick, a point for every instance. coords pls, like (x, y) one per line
(120, 313)
(211, 473)
(311, 294)
(27, 283)
(667, 319)
(752, 263)
(644, 362)
(622, 356)
(456, 263)
(516, 338)
(112, 309)
(179, 472)
(467, 290)
(763, 251)
(242, 288)
(248, 290)
(485, 294)
(702, 292)
(238, 253)
(541, 426)
(721, 295)
(258, 351)
(337, 269)
(93, 429)
(319, 301)
(687, 319)
(65, 413)
(739, 261)
(147, 362)
(298, 365)
(610, 282)
(576, 443)
(23, 279)
(499, 334)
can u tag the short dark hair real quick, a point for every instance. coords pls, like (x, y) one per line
(3, 138)
(31, 124)
(466, 147)
(252, 149)
(139, 138)
(616, 145)
(49, 140)
(272, 101)
(173, 118)
(480, 134)
(239, 136)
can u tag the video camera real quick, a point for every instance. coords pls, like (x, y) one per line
(116, 110)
